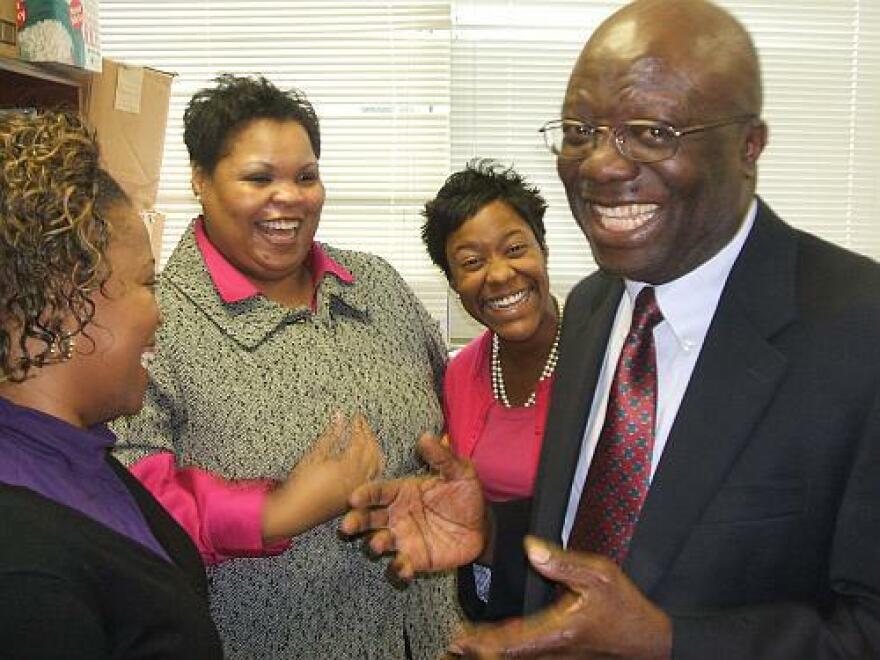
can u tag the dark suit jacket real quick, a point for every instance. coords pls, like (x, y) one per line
(760, 535)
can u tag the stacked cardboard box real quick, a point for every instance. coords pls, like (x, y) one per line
(128, 106)
(8, 33)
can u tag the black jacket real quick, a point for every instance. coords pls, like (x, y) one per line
(760, 534)
(71, 588)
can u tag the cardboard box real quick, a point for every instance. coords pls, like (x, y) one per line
(128, 107)
(8, 32)
(60, 31)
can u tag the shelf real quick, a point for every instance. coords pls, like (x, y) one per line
(26, 84)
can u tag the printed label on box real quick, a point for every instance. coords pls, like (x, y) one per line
(129, 83)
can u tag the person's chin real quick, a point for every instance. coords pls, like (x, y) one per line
(632, 264)
(138, 391)
(282, 263)
(520, 328)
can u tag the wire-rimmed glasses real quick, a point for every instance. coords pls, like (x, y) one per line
(641, 140)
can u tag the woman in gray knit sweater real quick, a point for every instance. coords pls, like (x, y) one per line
(267, 335)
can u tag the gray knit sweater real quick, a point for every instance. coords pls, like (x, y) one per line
(243, 390)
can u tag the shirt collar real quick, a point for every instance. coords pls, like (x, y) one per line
(55, 437)
(233, 286)
(688, 303)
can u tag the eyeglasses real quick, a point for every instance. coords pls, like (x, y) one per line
(641, 140)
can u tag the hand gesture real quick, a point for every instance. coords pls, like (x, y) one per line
(349, 450)
(432, 522)
(345, 456)
(602, 614)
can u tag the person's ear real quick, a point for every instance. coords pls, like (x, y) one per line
(754, 141)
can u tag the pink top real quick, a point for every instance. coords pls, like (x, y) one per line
(224, 518)
(472, 424)
(503, 451)
(234, 286)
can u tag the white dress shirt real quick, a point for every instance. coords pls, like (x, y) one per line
(688, 305)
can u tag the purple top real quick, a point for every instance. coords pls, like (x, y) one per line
(69, 465)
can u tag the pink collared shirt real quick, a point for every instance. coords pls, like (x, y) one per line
(223, 517)
(234, 286)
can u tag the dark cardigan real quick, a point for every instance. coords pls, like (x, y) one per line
(72, 588)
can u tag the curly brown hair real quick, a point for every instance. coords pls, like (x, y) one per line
(54, 235)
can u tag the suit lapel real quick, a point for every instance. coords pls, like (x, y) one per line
(586, 326)
(733, 382)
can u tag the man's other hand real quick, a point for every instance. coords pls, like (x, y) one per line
(601, 614)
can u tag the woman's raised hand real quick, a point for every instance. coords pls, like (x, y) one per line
(345, 456)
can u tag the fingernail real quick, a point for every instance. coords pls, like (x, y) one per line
(455, 649)
(538, 553)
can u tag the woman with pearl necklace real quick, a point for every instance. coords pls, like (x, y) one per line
(485, 230)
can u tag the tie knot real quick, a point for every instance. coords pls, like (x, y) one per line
(646, 312)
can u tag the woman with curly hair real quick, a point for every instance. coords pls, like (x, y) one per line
(90, 565)
(85, 550)
(267, 333)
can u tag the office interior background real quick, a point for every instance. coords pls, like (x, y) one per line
(409, 91)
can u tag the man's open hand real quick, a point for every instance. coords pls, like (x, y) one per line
(432, 522)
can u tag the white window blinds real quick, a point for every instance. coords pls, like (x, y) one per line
(409, 91)
(821, 63)
(377, 73)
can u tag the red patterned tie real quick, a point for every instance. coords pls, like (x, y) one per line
(620, 472)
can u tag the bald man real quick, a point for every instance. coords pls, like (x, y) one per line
(757, 531)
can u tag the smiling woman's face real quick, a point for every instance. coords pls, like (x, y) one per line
(263, 201)
(499, 270)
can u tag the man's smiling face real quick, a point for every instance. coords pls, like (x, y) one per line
(654, 222)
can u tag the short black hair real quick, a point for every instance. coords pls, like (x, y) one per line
(216, 114)
(466, 192)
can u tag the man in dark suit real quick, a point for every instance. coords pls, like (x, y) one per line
(758, 535)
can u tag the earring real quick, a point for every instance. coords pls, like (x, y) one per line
(61, 349)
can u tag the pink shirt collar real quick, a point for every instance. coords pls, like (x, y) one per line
(233, 286)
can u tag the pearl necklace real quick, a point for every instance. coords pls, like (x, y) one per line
(498, 388)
